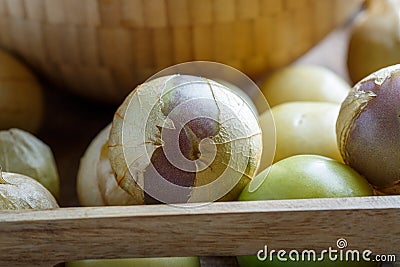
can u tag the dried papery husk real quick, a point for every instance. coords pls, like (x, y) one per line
(21, 96)
(241, 93)
(96, 183)
(182, 138)
(368, 126)
(22, 192)
(350, 110)
(22, 152)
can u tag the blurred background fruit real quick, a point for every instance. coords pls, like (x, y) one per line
(304, 83)
(301, 128)
(375, 39)
(21, 96)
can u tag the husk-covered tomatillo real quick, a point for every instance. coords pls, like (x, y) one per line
(96, 184)
(368, 129)
(21, 152)
(22, 192)
(182, 138)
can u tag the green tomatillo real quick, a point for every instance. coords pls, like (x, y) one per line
(300, 177)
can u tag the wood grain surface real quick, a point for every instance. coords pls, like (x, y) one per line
(44, 238)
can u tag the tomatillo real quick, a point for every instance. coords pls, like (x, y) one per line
(300, 177)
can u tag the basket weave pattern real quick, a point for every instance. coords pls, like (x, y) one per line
(103, 48)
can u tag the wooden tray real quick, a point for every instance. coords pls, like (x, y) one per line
(45, 238)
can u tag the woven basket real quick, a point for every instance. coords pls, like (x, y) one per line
(103, 48)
